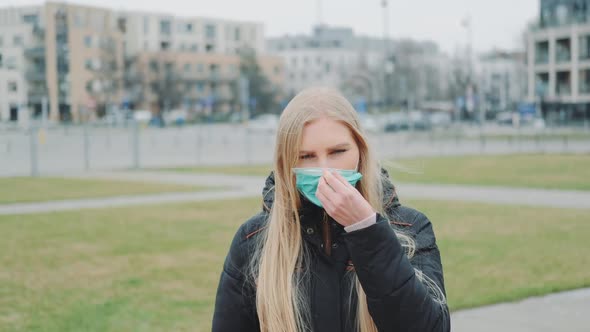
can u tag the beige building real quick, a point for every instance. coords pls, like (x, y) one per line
(200, 82)
(67, 54)
(80, 59)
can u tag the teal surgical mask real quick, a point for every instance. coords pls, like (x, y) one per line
(308, 179)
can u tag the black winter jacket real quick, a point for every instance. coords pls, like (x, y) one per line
(397, 300)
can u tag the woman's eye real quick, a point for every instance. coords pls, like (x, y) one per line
(305, 156)
(339, 151)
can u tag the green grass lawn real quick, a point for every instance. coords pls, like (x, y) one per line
(551, 171)
(24, 189)
(156, 268)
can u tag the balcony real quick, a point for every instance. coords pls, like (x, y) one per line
(35, 75)
(35, 52)
(217, 76)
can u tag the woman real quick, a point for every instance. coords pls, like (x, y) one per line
(333, 249)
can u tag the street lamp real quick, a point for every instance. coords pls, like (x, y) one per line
(389, 59)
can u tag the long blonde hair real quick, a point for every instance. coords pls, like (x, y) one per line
(280, 297)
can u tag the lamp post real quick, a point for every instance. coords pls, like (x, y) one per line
(389, 59)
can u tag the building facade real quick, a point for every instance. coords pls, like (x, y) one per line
(73, 60)
(333, 57)
(503, 80)
(558, 59)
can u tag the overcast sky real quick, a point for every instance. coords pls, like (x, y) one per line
(495, 23)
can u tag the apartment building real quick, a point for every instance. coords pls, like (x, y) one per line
(76, 60)
(558, 60)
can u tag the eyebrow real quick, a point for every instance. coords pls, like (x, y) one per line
(335, 147)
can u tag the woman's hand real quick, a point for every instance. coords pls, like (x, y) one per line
(341, 200)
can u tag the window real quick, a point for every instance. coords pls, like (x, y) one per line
(327, 65)
(88, 41)
(1, 40)
(200, 87)
(17, 40)
(89, 64)
(563, 84)
(79, 19)
(0, 60)
(32, 18)
(154, 66)
(188, 27)
(584, 81)
(146, 25)
(584, 48)
(169, 67)
(12, 86)
(194, 47)
(209, 48)
(200, 68)
(187, 67)
(165, 27)
(10, 62)
(562, 50)
(237, 34)
(277, 70)
(210, 31)
(542, 52)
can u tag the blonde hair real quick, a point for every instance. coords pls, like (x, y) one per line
(280, 256)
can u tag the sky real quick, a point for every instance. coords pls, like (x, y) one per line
(494, 23)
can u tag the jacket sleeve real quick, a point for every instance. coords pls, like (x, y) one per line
(396, 298)
(235, 308)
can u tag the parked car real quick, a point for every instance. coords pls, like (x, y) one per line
(505, 118)
(440, 120)
(175, 117)
(397, 121)
(369, 124)
(142, 116)
(419, 120)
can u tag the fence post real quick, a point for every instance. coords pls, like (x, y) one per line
(34, 144)
(135, 144)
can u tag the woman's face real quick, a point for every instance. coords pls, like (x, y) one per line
(327, 143)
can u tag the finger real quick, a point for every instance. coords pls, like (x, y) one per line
(336, 184)
(326, 202)
(325, 189)
(341, 178)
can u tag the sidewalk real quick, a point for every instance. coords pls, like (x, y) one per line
(564, 312)
(251, 186)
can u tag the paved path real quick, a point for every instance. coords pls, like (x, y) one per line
(563, 312)
(247, 186)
